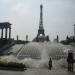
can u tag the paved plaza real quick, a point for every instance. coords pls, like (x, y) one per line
(38, 72)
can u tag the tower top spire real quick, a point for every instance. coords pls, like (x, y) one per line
(41, 17)
(41, 6)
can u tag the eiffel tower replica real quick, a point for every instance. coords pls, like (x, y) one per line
(41, 28)
(41, 32)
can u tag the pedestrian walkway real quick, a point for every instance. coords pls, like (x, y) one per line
(38, 72)
(48, 72)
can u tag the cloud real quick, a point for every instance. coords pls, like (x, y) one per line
(21, 8)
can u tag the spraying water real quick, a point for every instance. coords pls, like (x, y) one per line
(36, 55)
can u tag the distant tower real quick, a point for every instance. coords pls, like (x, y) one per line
(17, 38)
(57, 38)
(41, 28)
(74, 29)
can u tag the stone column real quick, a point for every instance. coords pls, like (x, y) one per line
(6, 33)
(9, 33)
(2, 34)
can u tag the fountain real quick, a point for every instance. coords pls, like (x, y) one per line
(42, 50)
(36, 55)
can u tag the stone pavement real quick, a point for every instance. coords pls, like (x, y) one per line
(38, 72)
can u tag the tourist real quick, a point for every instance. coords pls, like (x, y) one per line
(50, 63)
(70, 60)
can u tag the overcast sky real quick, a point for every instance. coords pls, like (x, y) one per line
(58, 16)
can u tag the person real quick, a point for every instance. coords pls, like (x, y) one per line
(70, 60)
(50, 63)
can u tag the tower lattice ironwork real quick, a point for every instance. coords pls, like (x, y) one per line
(41, 28)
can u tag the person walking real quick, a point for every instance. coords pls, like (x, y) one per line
(50, 63)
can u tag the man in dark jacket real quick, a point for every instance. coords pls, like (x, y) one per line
(70, 60)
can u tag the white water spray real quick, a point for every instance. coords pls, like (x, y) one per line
(42, 51)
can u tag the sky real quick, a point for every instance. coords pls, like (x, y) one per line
(24, 15)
